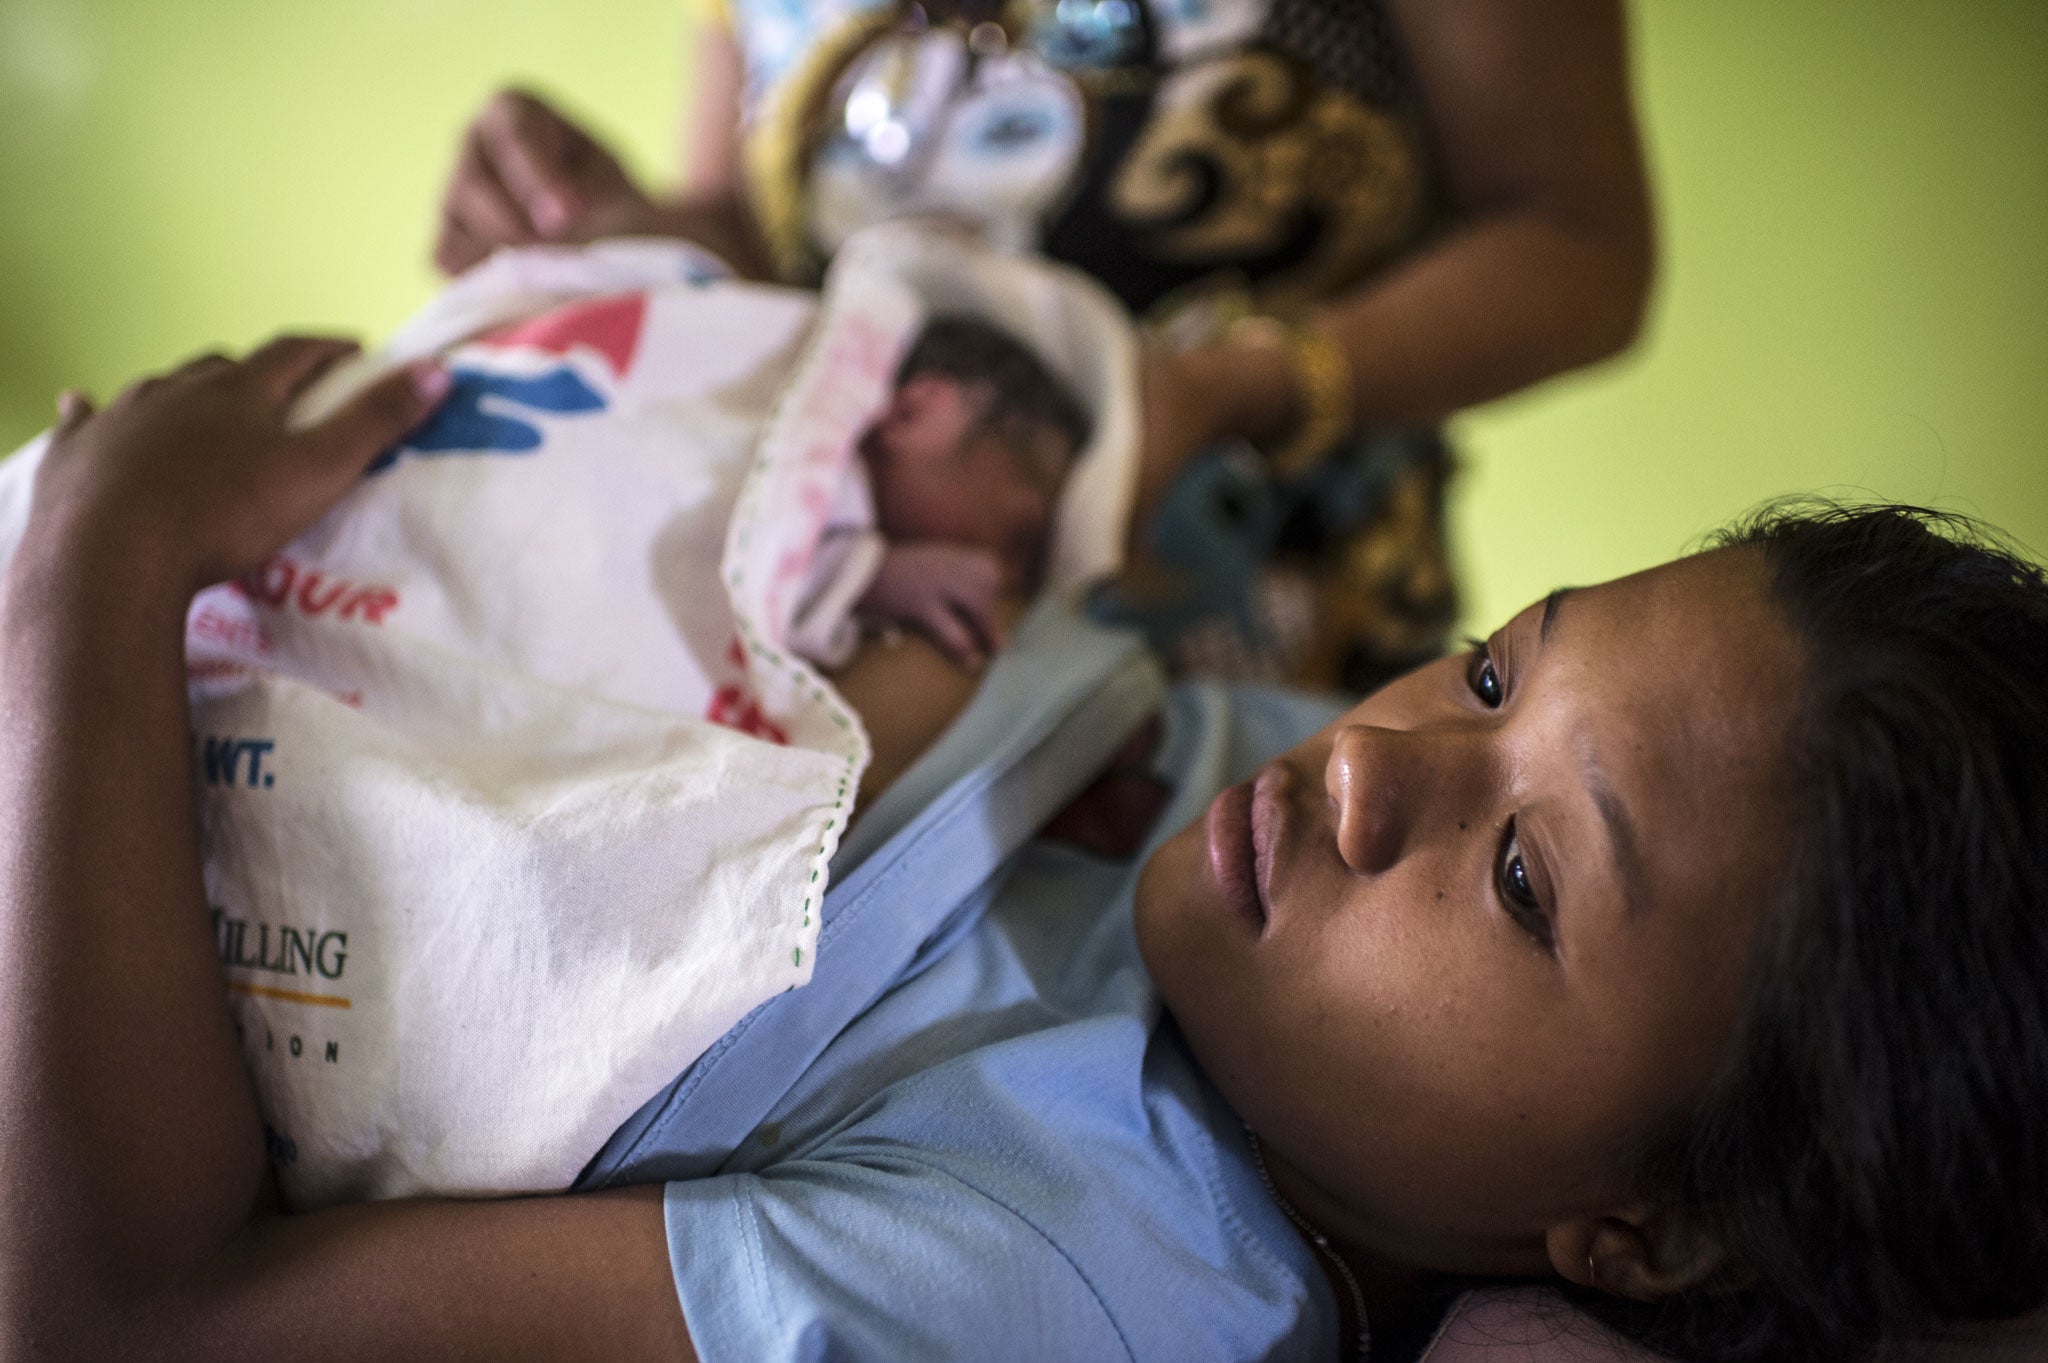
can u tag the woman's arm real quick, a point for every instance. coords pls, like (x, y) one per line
(137, 1217)
(527, 174)
(1545, 263)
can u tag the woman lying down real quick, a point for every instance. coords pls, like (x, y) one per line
(1680, 944)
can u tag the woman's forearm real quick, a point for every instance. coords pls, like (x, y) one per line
(1506, 300)
(1503, 302)
(722, 225)
(130, 1152)
(136, 1212)
(132, 1147)
(1547, 254)
(1548, 257)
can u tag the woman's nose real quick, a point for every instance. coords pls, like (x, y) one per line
(1372, 778)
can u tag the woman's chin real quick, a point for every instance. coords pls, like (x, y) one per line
(1170, 879)
(1193, 935)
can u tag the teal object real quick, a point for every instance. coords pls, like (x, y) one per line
(1225, 519)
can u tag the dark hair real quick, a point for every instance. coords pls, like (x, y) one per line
(1023, 398)
(1876, 1152)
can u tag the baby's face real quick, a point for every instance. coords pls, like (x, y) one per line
(938, 477)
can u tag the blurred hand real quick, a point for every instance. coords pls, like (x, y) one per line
(194, 476)
(1177, 417)
(948, 590)
(1190, 399)
(527, 175)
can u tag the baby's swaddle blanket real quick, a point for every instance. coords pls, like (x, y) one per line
(512, 798)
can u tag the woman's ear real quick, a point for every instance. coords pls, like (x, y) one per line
(1644, 1251)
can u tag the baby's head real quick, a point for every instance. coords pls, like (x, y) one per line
(1687, 942)
(974, 445)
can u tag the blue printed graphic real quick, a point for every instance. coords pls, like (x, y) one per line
(480, 414)
(224, 761)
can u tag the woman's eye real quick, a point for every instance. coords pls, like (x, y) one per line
(1518, 894)
(1484, 678)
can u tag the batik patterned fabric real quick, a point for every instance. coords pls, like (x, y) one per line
(1197, 156)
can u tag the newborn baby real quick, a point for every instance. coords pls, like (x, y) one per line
(949, 506)
(516, 792)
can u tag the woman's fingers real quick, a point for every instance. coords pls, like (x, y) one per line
(510, 184)
(531, 151)
(329, 458)
(73, 407)
(199, 366)
(526, 174)
(283, 367)
(198, 470)
(455, 247)
(379, 417)
(479, 200)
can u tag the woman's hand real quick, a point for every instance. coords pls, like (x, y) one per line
(1190, 399)
(194, 477)
(136, 1218)
(528, 175)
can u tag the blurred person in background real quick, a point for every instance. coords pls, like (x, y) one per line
(1342, 222)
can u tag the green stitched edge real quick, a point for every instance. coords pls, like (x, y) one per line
(746, 515)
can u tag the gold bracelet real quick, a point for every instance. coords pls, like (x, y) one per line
(1323, 389)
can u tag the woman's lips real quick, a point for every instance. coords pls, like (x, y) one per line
(1233, 859)
(1270, 789)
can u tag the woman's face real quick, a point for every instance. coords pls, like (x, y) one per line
(1463, 955)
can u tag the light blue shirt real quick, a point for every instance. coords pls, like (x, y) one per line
(999, 1148)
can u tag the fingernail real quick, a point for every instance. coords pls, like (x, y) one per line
(550, 214)
(430, 381)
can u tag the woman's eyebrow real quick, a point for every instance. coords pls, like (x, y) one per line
(1621, 833)
(1614, 815)
(1550, 605)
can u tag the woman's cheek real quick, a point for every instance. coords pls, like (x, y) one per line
(1166, 911)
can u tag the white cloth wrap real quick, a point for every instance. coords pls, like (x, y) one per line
(491, 852)
(844, 564)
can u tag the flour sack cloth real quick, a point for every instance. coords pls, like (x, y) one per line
(512, 797)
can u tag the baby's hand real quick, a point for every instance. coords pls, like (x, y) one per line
(947, 589)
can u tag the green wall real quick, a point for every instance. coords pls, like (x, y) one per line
(1855, 293)
(1855, 202)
